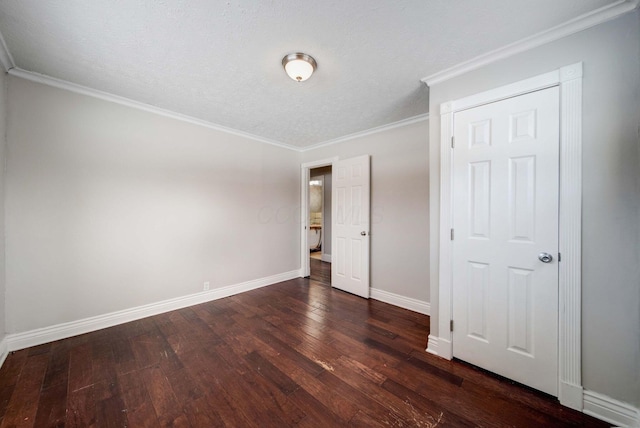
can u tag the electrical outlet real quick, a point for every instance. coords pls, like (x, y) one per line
(206, 286)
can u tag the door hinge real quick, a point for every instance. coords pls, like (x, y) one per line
(452, 234)
(559, 257)
(451, 325)
(453, 142)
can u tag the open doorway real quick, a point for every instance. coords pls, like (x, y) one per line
(350, 217)
(319, 231)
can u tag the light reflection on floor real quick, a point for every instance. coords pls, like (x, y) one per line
(317, 300)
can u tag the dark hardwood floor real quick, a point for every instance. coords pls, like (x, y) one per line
(295, 353)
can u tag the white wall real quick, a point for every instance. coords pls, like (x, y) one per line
(109, 207)
(611, 190)
(399, 205)
(3, 128)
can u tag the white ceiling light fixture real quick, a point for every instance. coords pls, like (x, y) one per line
(299, 66)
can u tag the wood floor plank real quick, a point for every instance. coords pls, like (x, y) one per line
(340, 406)
(183, 386)
(58, 367)
(22, 408)
(356, 367)
(162, 396)
(52, 406)
(124, 356)
(242, 397)
(289, 352)
(362, 419)
(272, 373)
(80, 367)
(136, 399)
(81, 407)
(297, 353)
(201, 413)
(9, 375)
(215, 407)
(103, 363)
(424, 407)
(399, 412)
(275, 394)
(317, 414)
(110, 413)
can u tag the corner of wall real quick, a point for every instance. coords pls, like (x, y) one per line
(3, 142)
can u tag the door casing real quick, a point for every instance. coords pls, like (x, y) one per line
(569, 81)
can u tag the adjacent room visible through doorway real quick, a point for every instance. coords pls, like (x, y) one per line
(319, 232)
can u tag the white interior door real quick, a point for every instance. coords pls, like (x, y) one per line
(350, 235)
(505, 215)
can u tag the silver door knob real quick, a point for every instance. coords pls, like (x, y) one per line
(545, 257)
(363, 233)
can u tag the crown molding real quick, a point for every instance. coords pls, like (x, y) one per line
(377, 129)
(79, 89)
(83, 90)
(570, 27)
(6, 60)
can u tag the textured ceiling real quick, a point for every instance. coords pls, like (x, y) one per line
(220, 61)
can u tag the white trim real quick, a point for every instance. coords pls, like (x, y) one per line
(611, 410)
(570, 238)
(410, 303)
(69, 329)
(440, 346)
(568, 28)
(376, 130)
(4, 350)
(445, 348)
(6, 60)
(305, 168)
(541, 81)
(569, 80)
(319, 163)
(326, 258)
(305, 263)
(83, 90)
(432, 345)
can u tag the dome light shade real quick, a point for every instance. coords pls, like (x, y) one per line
(299, 66)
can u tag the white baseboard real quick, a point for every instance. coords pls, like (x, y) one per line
(611, 410)
(415, 305)
(326, 258)
(16, 341)
(4, 350)
(571, 395)
(432, 345)
(440, 347)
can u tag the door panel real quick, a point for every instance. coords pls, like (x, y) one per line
(505, 212)
(351, 212)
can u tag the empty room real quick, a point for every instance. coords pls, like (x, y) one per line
(322, 214)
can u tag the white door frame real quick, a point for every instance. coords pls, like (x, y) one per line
(569, 80)
(305, 267)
